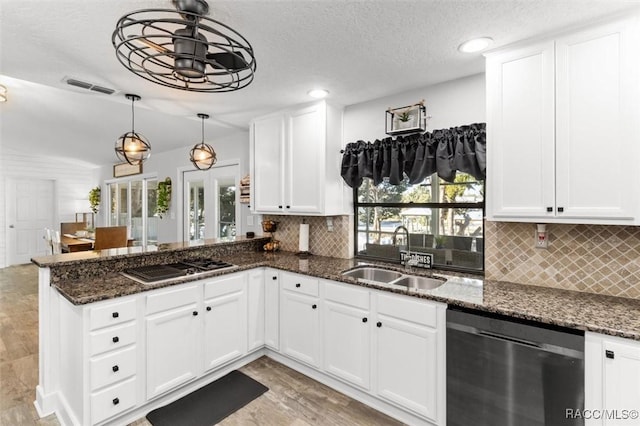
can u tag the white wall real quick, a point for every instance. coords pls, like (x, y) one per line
(452, 103)
(234, 147)
(72, 184)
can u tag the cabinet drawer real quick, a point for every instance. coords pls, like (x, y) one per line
(346, 295)
(172, 298)
(113, 401)
(224, 285)
(299, 284)
(111, 368)
(418, 311)
(112, 314)
(112, 338)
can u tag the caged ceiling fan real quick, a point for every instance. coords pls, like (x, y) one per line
(184, 49)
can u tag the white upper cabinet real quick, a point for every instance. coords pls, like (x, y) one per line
(560, 127)
(295, 159)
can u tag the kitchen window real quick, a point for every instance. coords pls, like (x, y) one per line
(442, 218)
(132, 203)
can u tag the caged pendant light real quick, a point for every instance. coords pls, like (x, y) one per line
(202, 155)
(184, 49)
(132, 147)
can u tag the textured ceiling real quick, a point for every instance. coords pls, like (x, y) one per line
(358, 50)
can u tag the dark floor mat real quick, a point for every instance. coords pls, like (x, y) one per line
(210, 404)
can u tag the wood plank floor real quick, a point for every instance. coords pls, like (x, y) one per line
(293, 399)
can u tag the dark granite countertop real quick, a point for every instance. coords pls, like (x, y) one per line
(584, 311)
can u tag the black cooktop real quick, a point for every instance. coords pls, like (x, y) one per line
(155, 273)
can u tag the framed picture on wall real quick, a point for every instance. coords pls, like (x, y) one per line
(126, 169)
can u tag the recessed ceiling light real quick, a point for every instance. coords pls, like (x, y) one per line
(318, 93)
(475, 44)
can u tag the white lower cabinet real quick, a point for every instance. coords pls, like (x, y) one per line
(612, 380)
(225, 320)
(272, 309)
(173, 332)
(300, 318)
(409, 354)
(255, 309)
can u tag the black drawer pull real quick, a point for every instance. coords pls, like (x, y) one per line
(116, 401)
(378, 324)
(560, 209)
(115, 315)
(288, 207)
(274, 278)
(194, 313)
(115, 339)
(364, 320)
(610, 354)
(314, 306)
(208, 308)
(279, 207)
(298, 285)
(115, 368)
(549, 209)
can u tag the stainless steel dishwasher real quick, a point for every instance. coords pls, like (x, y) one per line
(506, 372)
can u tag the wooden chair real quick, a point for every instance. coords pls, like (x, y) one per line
(72, 227)
(110, 237)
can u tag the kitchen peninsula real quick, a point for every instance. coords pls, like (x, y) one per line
(107, 343)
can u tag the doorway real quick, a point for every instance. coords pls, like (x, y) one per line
(210, 204)
(29, 209)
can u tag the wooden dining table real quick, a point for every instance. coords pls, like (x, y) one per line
(70, 243)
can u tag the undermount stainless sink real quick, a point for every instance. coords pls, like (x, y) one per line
(371, 273)
(422, 283)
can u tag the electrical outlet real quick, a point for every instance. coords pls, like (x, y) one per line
(542, 237)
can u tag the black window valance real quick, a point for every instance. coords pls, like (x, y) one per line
(443, 151)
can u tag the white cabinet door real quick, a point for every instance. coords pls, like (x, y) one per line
(520, 132)
(612, 379)
(225, 320)
(347, 343)
(597, 79)
(272, 309)
(304, 190)
(268, 160)
(300, 327)
(256, 309)
(173, 348)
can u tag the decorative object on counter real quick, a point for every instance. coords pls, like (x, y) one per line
(163, 197)
(245, 189)
(184, 49)
(408, 119)
(250, 234)
(445, 151)
(132, 147)
(3, 93)
(126, 169)
(202, 154)
(270, 226)
(94, 199)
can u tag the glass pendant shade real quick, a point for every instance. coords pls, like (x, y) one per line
(132, 147)
(202, 154)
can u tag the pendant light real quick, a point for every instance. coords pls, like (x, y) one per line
(202, 155)
(132, 147)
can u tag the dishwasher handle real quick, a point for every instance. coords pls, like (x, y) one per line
(509, 339)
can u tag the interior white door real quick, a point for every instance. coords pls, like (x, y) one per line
(30, 209)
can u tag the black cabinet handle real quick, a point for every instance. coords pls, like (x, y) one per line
(195, 313)
(274, 278)
(560, 209)
(116, 401)
(115, 315)
(314, 306)
(279, 207)
(116, 339)
(288, 207)
(378, 324)
(610, 354)
(115, 368)
(549, 209)
(208, 308)
(364, 320)
(298, 285)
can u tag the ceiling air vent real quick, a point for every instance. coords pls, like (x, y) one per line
(88, 86)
